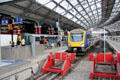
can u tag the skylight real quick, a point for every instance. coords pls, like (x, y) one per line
(86, 12)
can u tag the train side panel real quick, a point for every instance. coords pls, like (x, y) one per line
(86, 40)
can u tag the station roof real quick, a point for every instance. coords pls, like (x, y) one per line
(72, 14)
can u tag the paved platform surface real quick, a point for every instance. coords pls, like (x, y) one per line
(12, 67)
(81, 72)
(114, 44)
(2, 64)
(7, 70)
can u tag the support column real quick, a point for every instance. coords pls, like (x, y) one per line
(33, 46)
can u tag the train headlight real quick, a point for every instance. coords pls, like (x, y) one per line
(82, 45)
(68, 45)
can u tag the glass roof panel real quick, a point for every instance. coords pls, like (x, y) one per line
(83, 12)
(82, 18)
(115, 9)
(85, 5)
(59, 10)
(65, 5)
(79, 8)
(84, 2)
(58, 1)
(93, 7)
(43, 1)
(92, 12)
(74, 2)
(98, 4)
(78, 15)
(87, 9)
(78, 22)
(91, 3)
(68, 16)
(74, 19)
(73, 11)
(51, 5)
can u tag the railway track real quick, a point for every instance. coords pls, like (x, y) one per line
(57, 76)
(48, 76)
(73, 67)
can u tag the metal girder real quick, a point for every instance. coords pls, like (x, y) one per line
(107, 6)
(116, 18)
(17, 15)
(51, 11)
(48, 13)
(68, 12)
(85, 11)
(25, 10)
(91, 10)
(78, 13)
(29, 11)
(97, 10)
(11, 2)
(40, 6)
(35, 12)
(106, 30)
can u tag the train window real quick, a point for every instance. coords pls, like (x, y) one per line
(76, 37)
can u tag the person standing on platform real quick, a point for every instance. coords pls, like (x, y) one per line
(23, 42)
(45, 40)
(19, 40)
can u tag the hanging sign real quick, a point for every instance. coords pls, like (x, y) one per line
(4, 22)
(19, 20)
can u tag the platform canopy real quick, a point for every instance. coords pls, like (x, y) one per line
(71, 14)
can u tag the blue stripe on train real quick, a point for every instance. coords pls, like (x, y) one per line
(86, 41)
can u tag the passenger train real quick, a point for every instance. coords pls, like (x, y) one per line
(78, 41)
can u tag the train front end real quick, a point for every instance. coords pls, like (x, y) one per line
(77, 41)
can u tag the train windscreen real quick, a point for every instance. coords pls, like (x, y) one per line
(76, 37)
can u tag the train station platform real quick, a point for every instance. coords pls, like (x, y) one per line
(115, 45)
(28, 67)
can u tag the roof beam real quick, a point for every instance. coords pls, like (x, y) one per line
(97, 10)
(116, 18)
(28, 6)
(91, 11)
(17, 15)
(78, 12)
(85, 11)
(68, 12)
(107, 6)
(28, 10)
(11, 2)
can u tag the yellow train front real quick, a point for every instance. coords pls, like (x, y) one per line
(78, 41)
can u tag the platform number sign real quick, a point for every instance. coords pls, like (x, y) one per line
(4, 22)
(19, 21)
